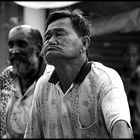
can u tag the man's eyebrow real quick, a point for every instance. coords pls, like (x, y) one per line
(54, 30)
(17, 40)
(21, 40)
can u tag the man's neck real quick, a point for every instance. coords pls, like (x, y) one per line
(25, 83)
(27, 80)
(67, 73)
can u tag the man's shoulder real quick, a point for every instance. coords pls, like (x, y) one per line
(101, 67)
(103, 71)
(7, 70)
(7, 75)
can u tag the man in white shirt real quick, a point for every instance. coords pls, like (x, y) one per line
(17, 81)
(79, 99)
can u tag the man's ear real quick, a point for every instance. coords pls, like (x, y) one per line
(86, 42)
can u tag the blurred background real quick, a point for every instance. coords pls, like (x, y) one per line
(115, 25)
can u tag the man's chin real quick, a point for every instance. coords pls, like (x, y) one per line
(17, 68)
(53, 54)
(50, 57)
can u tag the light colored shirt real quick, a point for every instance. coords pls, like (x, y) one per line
(6, 78)
(17, 110)
(88, 109)
(14, 106)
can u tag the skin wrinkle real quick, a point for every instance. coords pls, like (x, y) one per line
(77, 86)
(19, 79)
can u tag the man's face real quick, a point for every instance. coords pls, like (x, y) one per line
(61, 41)
(132, 56)
(22, 51)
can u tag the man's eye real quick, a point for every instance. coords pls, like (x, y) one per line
(10, 44)
(22, 44)
(59, 34)
(47, 38)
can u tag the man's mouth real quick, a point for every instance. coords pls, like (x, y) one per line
(17, 59)
(52, 48)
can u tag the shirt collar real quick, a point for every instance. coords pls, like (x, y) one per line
(80, 77)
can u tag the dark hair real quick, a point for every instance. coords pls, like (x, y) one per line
(80, 22)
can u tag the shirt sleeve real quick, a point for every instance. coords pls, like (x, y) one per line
(114, 102)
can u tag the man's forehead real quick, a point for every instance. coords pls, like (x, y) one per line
(20, 32)
(24, 27)
(60, 23)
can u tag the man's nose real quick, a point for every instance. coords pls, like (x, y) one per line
(52, 41)
(15, 49)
